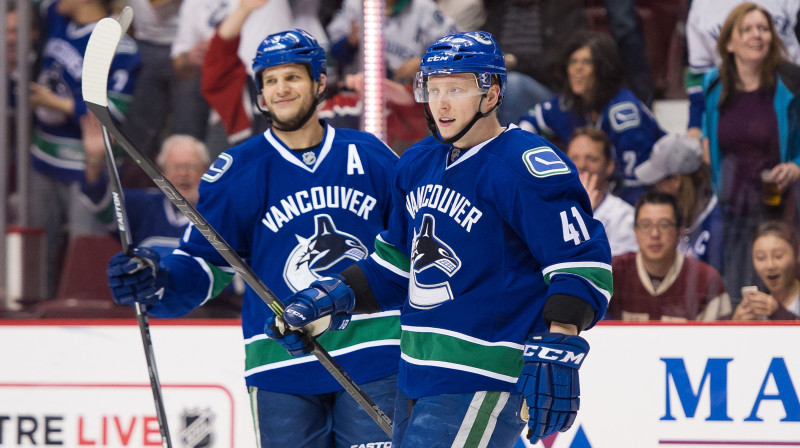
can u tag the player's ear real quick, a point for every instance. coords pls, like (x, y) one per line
(492, 97)
(262, 103)
(323, 80)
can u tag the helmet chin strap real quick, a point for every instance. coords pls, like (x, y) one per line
(449, 141)
(268, 115)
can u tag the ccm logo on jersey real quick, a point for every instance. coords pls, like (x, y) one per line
(543, 162)
(547, 354)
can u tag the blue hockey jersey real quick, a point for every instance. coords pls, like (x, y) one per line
(626, 121)
(293, 217)
(473, 250)
(704, 238)
(57, 149)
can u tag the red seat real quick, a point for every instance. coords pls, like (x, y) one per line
(83, 290)
(662, 28)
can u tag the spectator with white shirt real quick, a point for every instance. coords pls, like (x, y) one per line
(197, 22)
(702, 29)
(590, 151)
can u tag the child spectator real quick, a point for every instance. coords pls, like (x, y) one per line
(775, 251)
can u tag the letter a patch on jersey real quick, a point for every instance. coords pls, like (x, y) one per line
(544, 162)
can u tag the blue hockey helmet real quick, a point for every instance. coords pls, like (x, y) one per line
(289, 47)
(474, 52)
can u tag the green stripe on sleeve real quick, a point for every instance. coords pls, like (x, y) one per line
(392, 255)
(221, 279)
(599, 277)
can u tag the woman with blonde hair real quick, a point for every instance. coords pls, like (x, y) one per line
(775, 258)
(751, 130)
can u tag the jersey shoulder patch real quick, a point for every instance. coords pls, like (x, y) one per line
(543, 161)
(218, 168)
(624, 115)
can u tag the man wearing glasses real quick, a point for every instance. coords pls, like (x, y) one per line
(658, 282)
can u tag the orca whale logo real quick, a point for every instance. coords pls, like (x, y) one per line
(428, 251)
(320, 251)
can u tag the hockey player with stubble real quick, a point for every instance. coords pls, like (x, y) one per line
(297, 202)
(495, 259)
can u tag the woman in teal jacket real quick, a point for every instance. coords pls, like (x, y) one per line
(752, 129)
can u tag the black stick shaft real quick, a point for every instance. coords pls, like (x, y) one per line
(141, 316)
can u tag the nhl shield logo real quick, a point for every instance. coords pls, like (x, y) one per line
(198, 428)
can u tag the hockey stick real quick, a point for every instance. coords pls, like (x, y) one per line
(141, 316)
(125, 18)
(97, 63)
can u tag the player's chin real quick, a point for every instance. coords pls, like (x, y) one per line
(448, 129)
(285, 123)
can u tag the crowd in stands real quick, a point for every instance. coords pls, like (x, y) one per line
(703, 224)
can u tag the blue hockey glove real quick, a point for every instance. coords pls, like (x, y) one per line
(323, 306)
(549, 382)
(135, 279)
(328, 296)
(291, 340)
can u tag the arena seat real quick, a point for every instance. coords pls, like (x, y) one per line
(83, 291)
(663, 24)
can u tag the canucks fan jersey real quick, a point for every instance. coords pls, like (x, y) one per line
(476, 244)
(626, 121)
(293, 217)
(704, 238)
(57, 149)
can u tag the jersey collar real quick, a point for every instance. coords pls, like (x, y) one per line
(466, 154)
(327, 142)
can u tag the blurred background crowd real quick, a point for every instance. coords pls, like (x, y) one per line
(681, 116)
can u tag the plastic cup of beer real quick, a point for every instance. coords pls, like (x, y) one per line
(771, 193)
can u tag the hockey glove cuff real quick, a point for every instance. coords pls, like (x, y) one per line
(549, 382)
(137, 278)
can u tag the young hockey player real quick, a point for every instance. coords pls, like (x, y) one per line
(494, 256)
(298, 202)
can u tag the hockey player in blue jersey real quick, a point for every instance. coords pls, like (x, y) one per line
(297, 202)
(495, 259)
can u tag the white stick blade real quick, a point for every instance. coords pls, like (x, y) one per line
(97, 60)
(125, 18)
